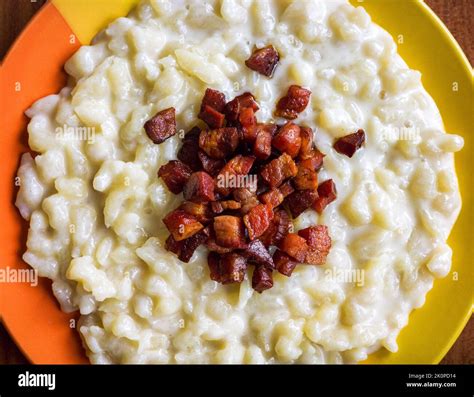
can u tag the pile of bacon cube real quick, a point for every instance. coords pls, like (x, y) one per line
(243, 183)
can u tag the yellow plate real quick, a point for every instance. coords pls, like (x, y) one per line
(426, 45)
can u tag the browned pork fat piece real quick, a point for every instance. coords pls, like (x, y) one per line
(218, 207)
(229, 231)
(288, 139)
(262, 279)
(327, 194)
(200, 211)
(199, 187)
(319, 243)
(162, 126)
(307, 143)
(279, 227)
(278, 170)
(257, 253)
(212, 108)
(248, 123)
(219, 143)
(307, 177)
(295, 246)
(294, 103)
(232, 268)
(181, 224)
(262, 147)
(258, 219)
(247, 198)
(350, 144)
(175, 174)
(264, 60)
(188, 153)
(237, 167)
(300, 201)
(208, 164)
(274, 197)
(233, 109)
(314, 160)
(284, 263)
(185, 248)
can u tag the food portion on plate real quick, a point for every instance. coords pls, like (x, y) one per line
(239, 181)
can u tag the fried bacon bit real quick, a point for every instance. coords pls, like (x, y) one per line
(284, 263)
(286, 189)
(233, 109)
(273, 197)
(214, 247)
(314, 160)
(181, 224)
(319, 242)
(212, 108)
(288, 139)
(188, 153)
(307, 143)
(258, 219)
(327, 194)
(238, 166)
(185, 248)
(246, 198)
(295, 246)
(262, 279)
(200, 211)
(162, 126)
(264, 60)
(307, 177)
(277, 170)
(218, 207)
(248, 121)
(257, 253)
(199, 187)
(211, 166)
(232, 268)
(278, 229)
(175, 174)
(300, 201)
(229, 231)
(213, 261)
(219, 143)
(295, 102)
(262, 148)
(349, 144)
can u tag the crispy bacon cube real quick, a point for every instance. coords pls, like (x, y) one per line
(200, 211)
(214, 263)
(232, 268)
(300, 201)
(188, 153)
(327, 194)
(182, 225)
(295, 246)
(307, 177)
(199, 187)
(274, 197)
(218, 207)
(319, 242)
(212, 117)
(246, 198)
(277, 170)
(229, 231)
(284, 263)
(185, 248)
(262, 147)
(262, 279)
(210, 165)
(286, 189)
(175, 174)
(278, 229)
(294, 103)
(349, 144)
(257, 253)
(288, 139)
(238, 166)
(258, 219)
(248, 122)
(314, 160)
(212, 108)
(219, 143)
(162, 126)
(307, 143)
(233, 108)
(264, 60)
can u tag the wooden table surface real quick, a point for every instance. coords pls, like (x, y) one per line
(456, 14)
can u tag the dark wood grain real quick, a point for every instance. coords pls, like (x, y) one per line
(456, 14)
